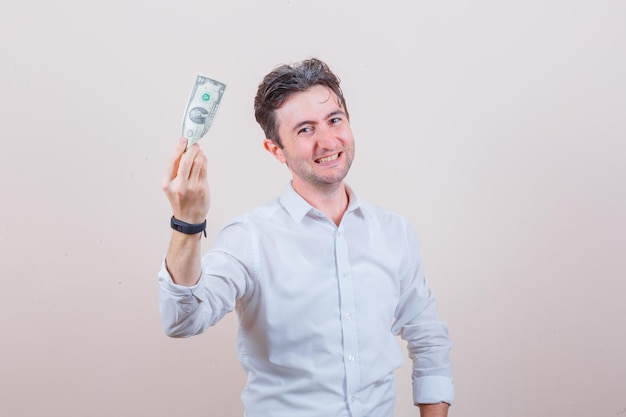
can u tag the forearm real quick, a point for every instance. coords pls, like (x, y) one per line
(183, 258)
(434, 410)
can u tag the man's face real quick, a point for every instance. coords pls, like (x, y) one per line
(318, 146)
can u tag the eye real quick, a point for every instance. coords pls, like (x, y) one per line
(307, 129)
(335, 120)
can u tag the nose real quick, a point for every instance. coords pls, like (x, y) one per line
(326, 137)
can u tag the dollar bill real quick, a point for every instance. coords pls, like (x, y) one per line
(203, 104)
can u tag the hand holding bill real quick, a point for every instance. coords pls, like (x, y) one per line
(186, 184)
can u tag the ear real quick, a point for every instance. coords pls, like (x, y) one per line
(275, 150)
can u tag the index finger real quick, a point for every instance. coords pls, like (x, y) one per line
(172, 166)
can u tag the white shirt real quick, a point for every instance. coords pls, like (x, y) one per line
(318, 307)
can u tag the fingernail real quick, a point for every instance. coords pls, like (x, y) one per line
(183, 140)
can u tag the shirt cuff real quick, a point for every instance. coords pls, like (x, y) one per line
(433, 389)
(168, 284)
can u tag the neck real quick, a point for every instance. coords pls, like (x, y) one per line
(332, 200)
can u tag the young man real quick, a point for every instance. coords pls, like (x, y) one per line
(321, 281)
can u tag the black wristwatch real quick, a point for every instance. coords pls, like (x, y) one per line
(188, 228)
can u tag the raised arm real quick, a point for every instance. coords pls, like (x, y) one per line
(187, 190)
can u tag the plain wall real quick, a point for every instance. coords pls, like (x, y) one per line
(497, 128)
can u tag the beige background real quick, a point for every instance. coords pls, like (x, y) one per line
(496, 127)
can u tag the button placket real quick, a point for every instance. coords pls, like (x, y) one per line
(348, 324)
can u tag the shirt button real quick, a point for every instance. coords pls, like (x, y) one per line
(353, 398)
(348, 316)
(351, 358)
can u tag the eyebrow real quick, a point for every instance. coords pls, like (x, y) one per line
(330, 115)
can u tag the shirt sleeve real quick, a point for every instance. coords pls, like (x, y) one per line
(426, 335)
(227, 271)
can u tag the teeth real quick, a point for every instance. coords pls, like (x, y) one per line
(328, 158)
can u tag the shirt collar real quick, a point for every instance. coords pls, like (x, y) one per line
(298, 207)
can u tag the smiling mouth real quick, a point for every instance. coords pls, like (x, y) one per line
(327, 158)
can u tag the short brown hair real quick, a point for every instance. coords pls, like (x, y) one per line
(284, 80)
